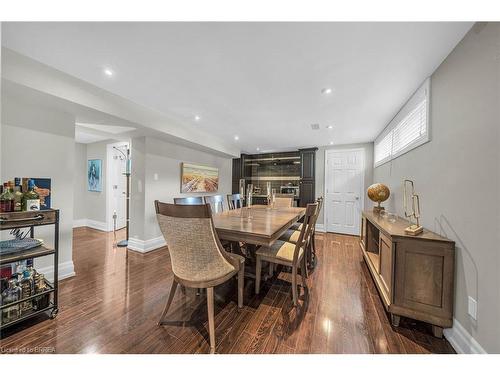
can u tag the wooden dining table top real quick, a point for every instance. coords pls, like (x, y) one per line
(258, 225)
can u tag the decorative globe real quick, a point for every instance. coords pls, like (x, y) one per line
(378, 193)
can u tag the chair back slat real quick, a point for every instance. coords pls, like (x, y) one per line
(234, 201)
(216, 202)
(189, 200)
(281, 202)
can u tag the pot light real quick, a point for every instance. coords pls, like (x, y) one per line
(326, 91)
(236, 137)
(197, 118)
(258, 149)
(108, 72)
(329, 127)
(331, 142)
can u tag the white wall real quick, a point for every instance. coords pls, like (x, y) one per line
(161, 163)
(95, 201)
(39, 142)
(320, 169)
(80, 183)
(457, 177)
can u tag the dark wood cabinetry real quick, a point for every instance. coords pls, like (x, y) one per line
(413, 274)
(293, 171)
(307, 176)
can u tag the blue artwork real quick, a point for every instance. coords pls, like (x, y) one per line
(94, 171)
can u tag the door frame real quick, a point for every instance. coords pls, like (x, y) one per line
(109, 187)
(363, 168)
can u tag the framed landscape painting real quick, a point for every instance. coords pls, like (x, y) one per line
(199, 179)
(94, 175)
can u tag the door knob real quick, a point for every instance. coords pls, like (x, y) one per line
(357, 198)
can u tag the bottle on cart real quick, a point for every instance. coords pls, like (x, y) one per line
(18, 195)
(27, 290)
(9, 295)
(6, 199)
(31, 199)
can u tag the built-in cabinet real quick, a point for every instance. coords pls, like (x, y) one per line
(413, 274)
(288, 172)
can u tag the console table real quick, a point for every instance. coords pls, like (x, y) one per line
(413, 274)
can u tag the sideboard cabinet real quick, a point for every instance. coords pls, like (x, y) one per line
(413, 274)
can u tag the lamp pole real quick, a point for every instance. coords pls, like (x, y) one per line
(124, 243)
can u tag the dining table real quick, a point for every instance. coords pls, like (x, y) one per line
(258, 225)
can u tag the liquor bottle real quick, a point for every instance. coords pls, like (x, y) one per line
(6, 199)
(27, 290)
(18, 195)
(31, 199)
(9, 295)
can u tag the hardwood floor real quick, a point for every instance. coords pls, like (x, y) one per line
(113, 303)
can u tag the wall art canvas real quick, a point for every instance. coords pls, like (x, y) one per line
(199, 178)
(94, 175)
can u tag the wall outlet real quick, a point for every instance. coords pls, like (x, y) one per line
(472, 310)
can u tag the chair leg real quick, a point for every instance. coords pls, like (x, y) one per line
(303, 272)
(294, 285)
(271, 269)
(211, 320)
(169, 301)
(241, 285)
(258, 269)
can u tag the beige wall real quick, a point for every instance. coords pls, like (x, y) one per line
(320, 168)
(80, 183)
(457, 175)
(158, 167)
(39, 142)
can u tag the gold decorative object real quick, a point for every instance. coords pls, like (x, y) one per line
(409, 194)
(378, 193)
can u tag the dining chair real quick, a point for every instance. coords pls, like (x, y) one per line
(216, 203)
(292, 235)
(234, 201)
(197, 257)
(288, 254)
(189, 200)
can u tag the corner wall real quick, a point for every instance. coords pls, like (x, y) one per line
(457, 175)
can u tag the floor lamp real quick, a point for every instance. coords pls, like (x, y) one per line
(124, 243)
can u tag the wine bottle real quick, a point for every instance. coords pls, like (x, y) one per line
(18, 195)
(31, 199)
(6, 199)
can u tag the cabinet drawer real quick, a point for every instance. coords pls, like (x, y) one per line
(10, 220)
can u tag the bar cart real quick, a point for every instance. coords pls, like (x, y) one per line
(30, 220)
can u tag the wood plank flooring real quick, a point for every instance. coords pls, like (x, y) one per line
(114, 301)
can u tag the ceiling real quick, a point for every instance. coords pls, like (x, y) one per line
(259, 81)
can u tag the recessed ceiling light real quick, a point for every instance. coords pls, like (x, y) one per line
(258, 149)
(331, 142)
(236, 137)
(326, 90)
(108, 72)
(329, 127)
(197, 118)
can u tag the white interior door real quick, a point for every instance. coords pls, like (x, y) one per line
(343, 191)
(118, 186)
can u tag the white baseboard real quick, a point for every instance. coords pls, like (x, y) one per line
(146, 246)
(66, 270)
(462, 341)
(320, 228)
(99, 225)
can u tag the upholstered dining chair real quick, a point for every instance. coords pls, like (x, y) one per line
(196, 254)
(216, 203)
(234, 201)
(292, 235)
(189, 200)
(288, 254)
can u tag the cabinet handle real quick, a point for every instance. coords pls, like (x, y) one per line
(5, 220)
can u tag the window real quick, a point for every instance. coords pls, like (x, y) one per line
(407, 130)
